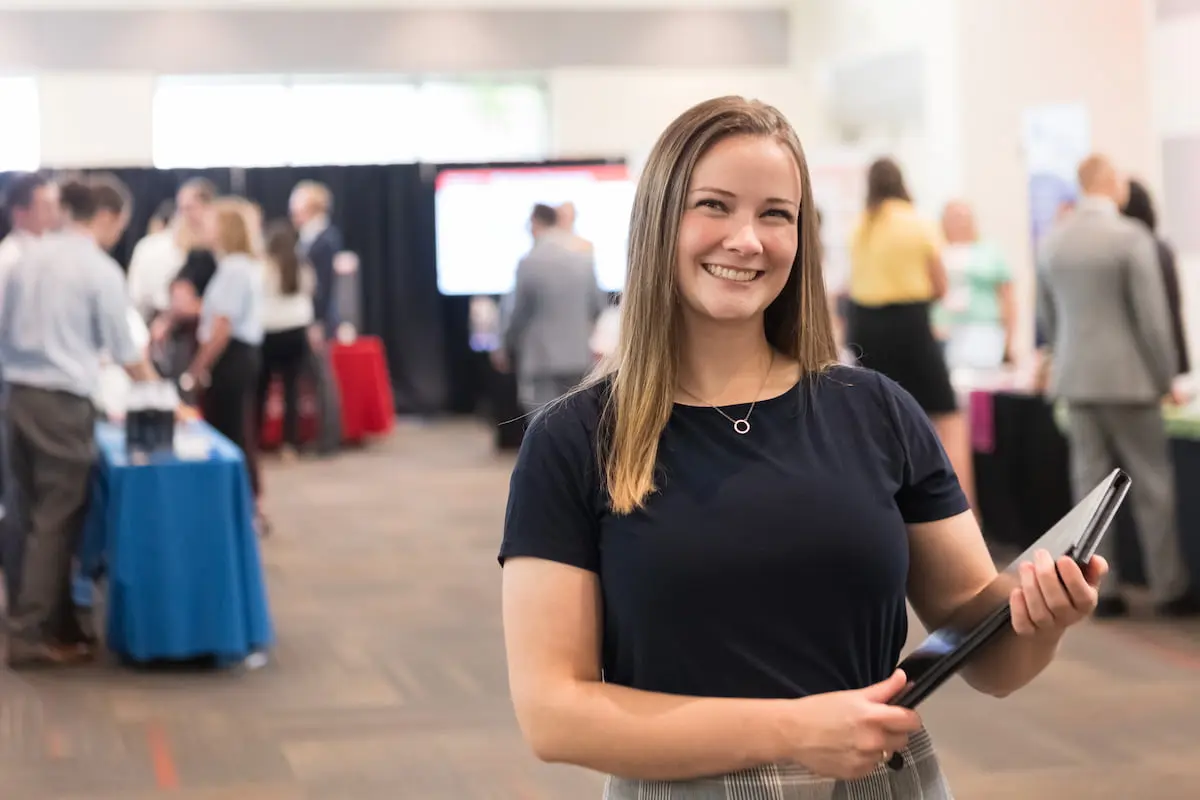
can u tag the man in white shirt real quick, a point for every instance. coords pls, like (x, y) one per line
(158, 257)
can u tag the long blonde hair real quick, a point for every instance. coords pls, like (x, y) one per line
(644, 367)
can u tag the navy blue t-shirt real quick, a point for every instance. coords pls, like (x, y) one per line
(769, 565)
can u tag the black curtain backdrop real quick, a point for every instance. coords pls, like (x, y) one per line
(386, 215)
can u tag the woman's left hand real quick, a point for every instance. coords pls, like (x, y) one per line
(1054, 596)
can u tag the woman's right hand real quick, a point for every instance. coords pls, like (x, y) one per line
(849, 734)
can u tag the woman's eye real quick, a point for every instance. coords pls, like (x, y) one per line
(782, 213)
(709, 202)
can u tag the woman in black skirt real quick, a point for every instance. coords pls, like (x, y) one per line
(896, 274)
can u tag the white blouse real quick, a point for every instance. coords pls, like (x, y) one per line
(282, 312)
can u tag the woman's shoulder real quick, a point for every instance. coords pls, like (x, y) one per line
(840, 378)
(868, 395)
(561, 438)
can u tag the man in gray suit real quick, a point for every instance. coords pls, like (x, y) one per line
(1103, 311)
(552, 311)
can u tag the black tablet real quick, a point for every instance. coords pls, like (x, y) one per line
(947, 649)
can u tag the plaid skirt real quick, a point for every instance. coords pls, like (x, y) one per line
(921, 779)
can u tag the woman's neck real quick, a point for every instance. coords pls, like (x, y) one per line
(724, 365)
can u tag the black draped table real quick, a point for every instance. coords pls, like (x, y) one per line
(1022, 476)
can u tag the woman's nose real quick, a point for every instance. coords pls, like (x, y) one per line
(744, 241)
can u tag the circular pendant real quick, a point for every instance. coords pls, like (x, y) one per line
(741, 426)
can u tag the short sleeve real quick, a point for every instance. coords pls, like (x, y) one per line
(929, 488)
(227, 293)
(552, 508)
(998, 269)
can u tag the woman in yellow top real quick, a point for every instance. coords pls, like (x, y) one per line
(896, 274)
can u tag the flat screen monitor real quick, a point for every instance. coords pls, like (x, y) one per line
(482, 221)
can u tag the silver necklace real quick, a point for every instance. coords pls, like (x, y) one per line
(740, 426)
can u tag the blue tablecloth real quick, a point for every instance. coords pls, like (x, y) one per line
(176, 540)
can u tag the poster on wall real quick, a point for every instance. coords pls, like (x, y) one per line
(1055, 139)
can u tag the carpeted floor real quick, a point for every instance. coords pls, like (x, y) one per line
(389, 680)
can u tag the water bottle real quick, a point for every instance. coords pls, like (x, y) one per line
(148, 440)
(170, 402)
(135, 418)
(152, 429)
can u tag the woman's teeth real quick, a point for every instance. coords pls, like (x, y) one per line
(731, 274)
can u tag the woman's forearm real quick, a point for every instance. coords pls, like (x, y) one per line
(208, 353)
(651, 736)
(1011, 661)
(211, 350)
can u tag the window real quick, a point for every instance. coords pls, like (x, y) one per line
(220, 123)
(20, 132)
(272, 121)
(353, 123)
(483, 122)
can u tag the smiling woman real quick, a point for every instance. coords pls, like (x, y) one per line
(709, 546)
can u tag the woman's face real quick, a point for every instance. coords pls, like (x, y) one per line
(208, 228)
(738, 235)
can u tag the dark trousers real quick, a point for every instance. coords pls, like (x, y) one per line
(1104, 436)
(329, 400)
(51, 445)
(283, 354)
(228, 400)
(12, 532)
(536, 391)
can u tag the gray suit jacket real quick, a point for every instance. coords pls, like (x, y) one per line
(553, 309)
(1102, 307)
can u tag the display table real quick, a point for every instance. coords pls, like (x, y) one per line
(1022, 475)
(176, 540)
(368, 408)
(365, 389)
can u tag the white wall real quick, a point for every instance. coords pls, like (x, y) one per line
(1021, 53)
(96, 109)
(108, 5)
(1176, 63)
(848, 33)
(95, 119)
(622, 112)
(104, 119)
